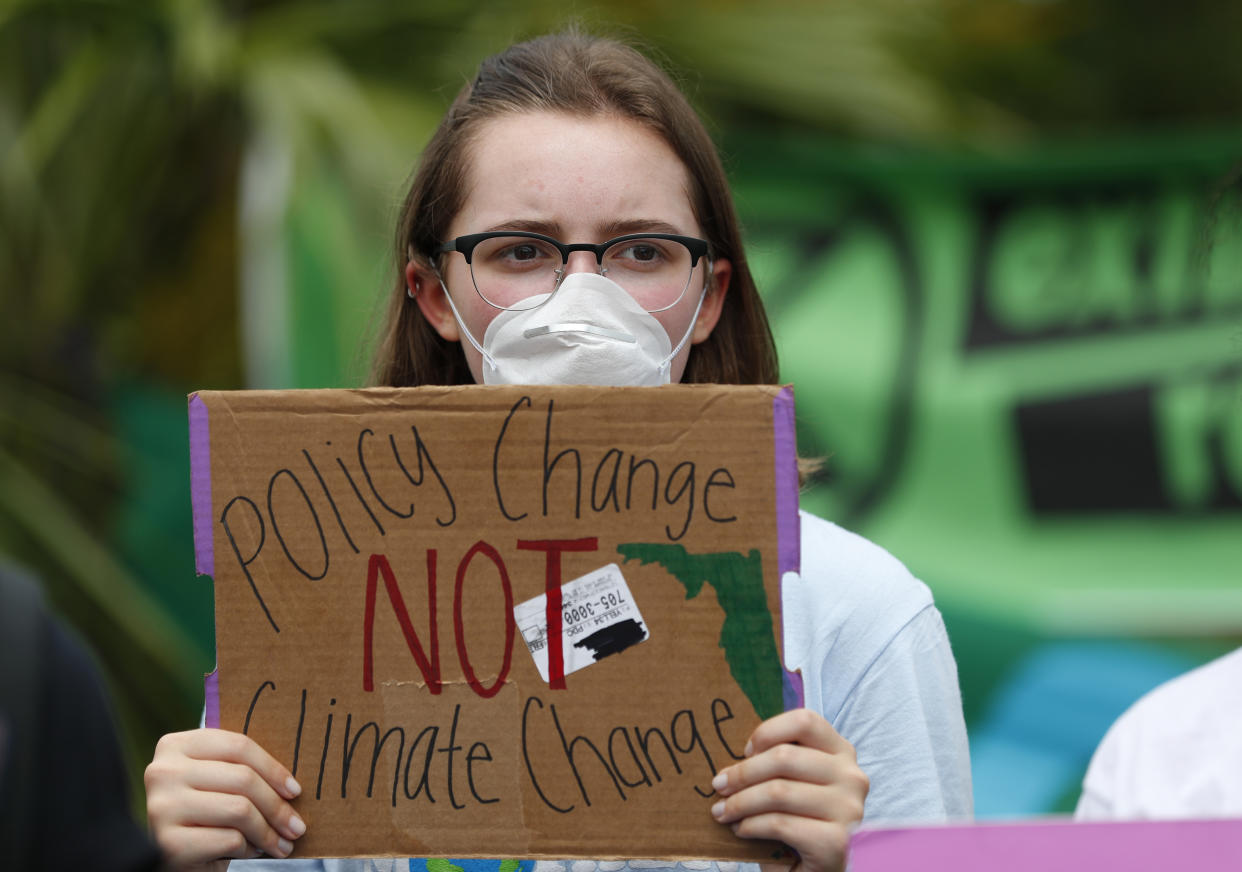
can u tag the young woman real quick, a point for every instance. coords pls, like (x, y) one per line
(573, 164)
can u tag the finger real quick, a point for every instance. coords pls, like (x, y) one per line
(799, 726)
(783, 761)
(820, 845)
(228, 811)
(797, 798)
(197, 760)
(240, 780)
(225, 745)
(194, 846)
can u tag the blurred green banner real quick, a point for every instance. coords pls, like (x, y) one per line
(1025, 372)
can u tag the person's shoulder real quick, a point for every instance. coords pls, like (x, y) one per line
(1174, 752)
(856, 572)
(1195, 701)
(858, 597)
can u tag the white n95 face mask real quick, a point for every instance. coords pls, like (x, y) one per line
(588, 331)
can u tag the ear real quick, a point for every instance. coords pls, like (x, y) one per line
(713, 300)
(424, 286)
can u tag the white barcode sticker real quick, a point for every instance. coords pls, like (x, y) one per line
(598, 618)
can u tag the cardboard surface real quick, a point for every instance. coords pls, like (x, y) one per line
(369, 549)
(1067, 846)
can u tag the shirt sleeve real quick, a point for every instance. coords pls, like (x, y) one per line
(904, 718)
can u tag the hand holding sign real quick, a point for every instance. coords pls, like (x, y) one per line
(215, 794)
(799, 784)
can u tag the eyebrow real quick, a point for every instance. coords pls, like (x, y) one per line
(609, 230)
(640, 225)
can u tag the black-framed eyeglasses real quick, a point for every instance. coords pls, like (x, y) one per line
(514, 270)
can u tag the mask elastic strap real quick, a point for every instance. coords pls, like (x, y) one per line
(488, 360)
(667, 363)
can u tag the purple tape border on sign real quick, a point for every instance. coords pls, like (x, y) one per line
(204, 552)
(788, 527)
(211, 699)
(200, 487)
(1201, 845)
(786, 443)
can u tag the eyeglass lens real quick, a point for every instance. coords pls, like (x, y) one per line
(509, 270)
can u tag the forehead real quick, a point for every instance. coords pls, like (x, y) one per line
(572, 173)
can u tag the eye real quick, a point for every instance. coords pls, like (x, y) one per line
(525, 251)
(643, 252)
(515, 253)
(639, 252)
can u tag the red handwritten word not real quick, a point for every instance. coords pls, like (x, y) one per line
(428, 658)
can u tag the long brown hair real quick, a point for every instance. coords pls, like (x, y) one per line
(584, 75)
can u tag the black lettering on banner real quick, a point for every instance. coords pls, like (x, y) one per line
(1199, 425)
(1175, 447)
(1076, 263)
(1090, 454)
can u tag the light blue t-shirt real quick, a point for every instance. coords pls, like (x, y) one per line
(877, 665)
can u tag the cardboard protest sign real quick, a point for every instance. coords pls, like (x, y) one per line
(495, 621)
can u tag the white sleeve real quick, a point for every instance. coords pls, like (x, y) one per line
(904, 718)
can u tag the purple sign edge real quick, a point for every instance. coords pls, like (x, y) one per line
(200, 487)
(1036, 846)
(788, 526)
(204, 551)
(211, 699)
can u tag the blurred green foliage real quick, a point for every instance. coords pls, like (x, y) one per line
(138, 139)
